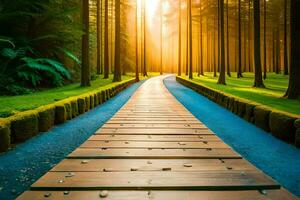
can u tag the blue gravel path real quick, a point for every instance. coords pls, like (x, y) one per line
(23, 165)
(276, 158)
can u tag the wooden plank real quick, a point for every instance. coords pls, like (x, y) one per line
(155, 180)
(114, 165)
(148, 125)
(161, 195)
(162, 138)
(153, 122)
(153, 145)
(83, 153)
(183, 119)
(150, 131)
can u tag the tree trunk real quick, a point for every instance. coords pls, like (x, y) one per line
(265, 39)
(258, 81)
(201, 42)
(293, 91)
(117, 68)
(286, 63)
(214, 48)
(239, 72)
(106, 56)
(222, 57)
(187, 41)
(190, 20)
(98, 37)
(145, 40)
(227, 42)
(277, 50)
(161, 38)
(179, 38)
(85, 68)
(137, 77)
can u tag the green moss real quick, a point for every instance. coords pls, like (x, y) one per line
(24, 126)
(261, 118)
(68, 108)
(4, 135)
(81, 105)
(87, 103)
(282, 126)
(74, 106)
(46, 118)
(60, 114)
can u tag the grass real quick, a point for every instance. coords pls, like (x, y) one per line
(271, 96)
(10, 105)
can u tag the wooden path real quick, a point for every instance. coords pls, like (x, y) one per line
(155, 149)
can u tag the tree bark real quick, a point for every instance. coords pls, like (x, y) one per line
(265, 39)
(117, 68)
(145, 41)
(239, 71)
(258, 81)
(286, 63)
(201, 42)
(227, 43)
(161, 38)
(85, 68)
(222, 57)
(106, 56)
(179, 38)
(137, 77)
(293, 91)
(190, 20)
(98, 37)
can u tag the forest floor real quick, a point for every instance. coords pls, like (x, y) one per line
(271, 96)
(10, 105)
(273, 156)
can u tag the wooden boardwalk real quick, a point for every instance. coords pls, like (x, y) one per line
(155, 149)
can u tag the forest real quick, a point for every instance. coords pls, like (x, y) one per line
(52, 43)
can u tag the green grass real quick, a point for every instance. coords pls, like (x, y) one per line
(10, 105)
(271, 96)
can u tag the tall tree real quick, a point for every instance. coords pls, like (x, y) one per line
(214, 48)
(179, 37)
(187, 40)
(137, 77)
(201, 41)
(85, 68)
(293, 91)
(190, 20)
(265, 39)
(227, 38)
(98, 18)
(258, 81)
(106, 54)
(239, 70)
(286, 63)
(145, 40)
(161, 37)
(117, 68)
(222, 56)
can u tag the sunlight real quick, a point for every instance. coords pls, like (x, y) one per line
(152, 7)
